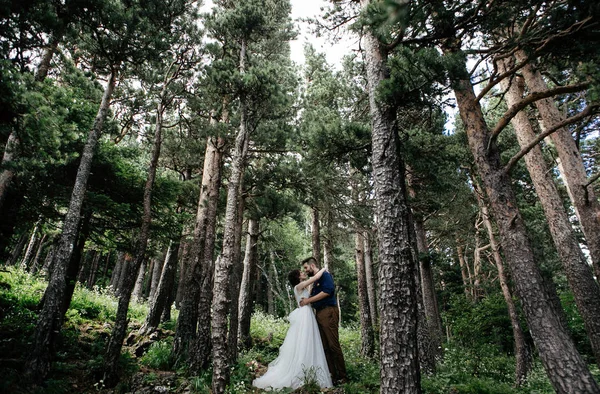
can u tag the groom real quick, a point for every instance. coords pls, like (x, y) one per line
(322, 298)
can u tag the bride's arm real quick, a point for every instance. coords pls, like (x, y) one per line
(309, 281)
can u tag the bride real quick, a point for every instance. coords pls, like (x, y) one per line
(301, 356)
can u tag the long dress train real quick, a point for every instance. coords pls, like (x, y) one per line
(301, 356)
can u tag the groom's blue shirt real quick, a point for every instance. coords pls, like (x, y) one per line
(324, 284)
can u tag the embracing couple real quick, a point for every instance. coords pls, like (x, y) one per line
(311, 349)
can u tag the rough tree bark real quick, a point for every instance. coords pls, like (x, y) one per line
(51, 316)
(367, 335)
(579, 274)
(220, 376)
(572, 169)
(156, 275)
(138, 288)
(196, 267)
(397, 300)
(246, 296)
(565, 367)
(115, 343)
(522, 353)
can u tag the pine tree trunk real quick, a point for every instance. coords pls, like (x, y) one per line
(367, 336)
(7, 173)
(18, 249)
(116, 273)
(234, 285)
(38, 254)
(370, 279)
(522, 353)
(565, 367)
(315, 232)
(246, 295)
(50, 318)
(579, 275)
(115, 343)
(430, 304)
(138, 288)
(328, 244)
(573, 171)
(223, 266)
(30, 247)
(91, 280)
(194, 307)
(201, 354)
(398, 304)
(464, 269)
(158, 303)
(156, 275)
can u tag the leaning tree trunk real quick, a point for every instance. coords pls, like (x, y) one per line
(565, 367)
(138, 288)
(315, 232)
(464, 269)
(17, 250)
(113, 349)
(163, 290)
(367, 336)
(578, 272)
(156, 274)
(397, 299)
(51, 316)
(35, 264)
(220, 376)
(522, 354)
(30, 247)
(202, 347)
(582, 194)
(246, 297)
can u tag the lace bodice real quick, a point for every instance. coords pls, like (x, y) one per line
(301, 294)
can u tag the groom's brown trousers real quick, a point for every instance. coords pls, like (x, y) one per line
(328, 320)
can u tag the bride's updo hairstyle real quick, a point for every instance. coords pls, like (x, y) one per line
(294, 277)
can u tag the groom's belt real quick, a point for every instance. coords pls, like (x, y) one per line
(321, 307)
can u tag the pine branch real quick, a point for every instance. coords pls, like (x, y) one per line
(530, 99)
(586, 112)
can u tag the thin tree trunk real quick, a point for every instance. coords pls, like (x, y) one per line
(573, 171)
(156, 275)
(367, 335)
(163, 291)
(220, 377)
(113, 348)
(138, 288)
(116, 273)
(45, 270)
(328, 244)
(579, 275)
(235, 281)
(315, 232)
(565, 367)
(50, 318)
(270, 292)
(18, 249)
(430, 304)
(464, 271)
(398, 304)
(94, 269)
(246, 296)
(30, 247)
(369, 277)
(522, 353)
(38, 254)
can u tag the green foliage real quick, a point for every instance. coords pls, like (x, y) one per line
(158, 355)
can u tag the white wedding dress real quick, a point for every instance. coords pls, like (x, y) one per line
(301, 353)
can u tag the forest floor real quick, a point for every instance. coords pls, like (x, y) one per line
(147, 366)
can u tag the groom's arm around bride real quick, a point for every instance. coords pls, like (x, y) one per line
(323, 300)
